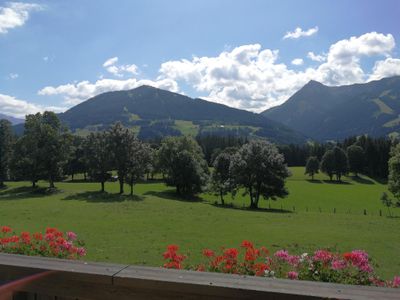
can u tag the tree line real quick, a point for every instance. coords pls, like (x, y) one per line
(375, 153)
(48, 151)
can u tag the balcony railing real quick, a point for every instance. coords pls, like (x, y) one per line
(36, 278)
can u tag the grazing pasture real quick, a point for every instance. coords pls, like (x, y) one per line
(136, 230)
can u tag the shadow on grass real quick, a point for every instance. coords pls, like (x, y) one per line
(245, 208)
(97, 197)
(314, 181)
(342, 182)
(172, 195)
(362, 180)
(24, 192)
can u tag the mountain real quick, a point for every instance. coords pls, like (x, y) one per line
(327, 113)
(154, 113)
(14, 121)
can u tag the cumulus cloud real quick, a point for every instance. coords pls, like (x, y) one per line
(299, 32)
(249, 76)
(15, 14)
(80, 91)
(297, 61)
(315, 57)
(119, 70)
(385, 68)
(12, 106)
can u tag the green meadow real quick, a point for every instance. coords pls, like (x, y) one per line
(136, 230)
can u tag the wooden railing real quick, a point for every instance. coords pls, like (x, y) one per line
(37, 278)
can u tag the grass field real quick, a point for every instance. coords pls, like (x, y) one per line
(125, 230)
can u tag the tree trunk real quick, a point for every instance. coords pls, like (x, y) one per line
(1, 183)
(312, 176)
(222, 197)
(178, 189)
(102, 186)
(72, 176)
(33, 184)
(51, 183)
(121, 185)
(84, 176)
(131, 188)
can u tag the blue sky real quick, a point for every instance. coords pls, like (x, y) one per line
(53, 54)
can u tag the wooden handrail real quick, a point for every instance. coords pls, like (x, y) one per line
(65, 279)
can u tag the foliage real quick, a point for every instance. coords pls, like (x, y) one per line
(120, 141)
(51, 243)
(356, 158)
(182, 162)
(222, 182)
(6, 144)
(394, 173)
(42, 152)
(139, 161)
(334, 162)
(353, 267)
(97, 157)
(312, 166)
(260, 169)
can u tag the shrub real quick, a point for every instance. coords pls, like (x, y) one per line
(353, 267)
(51, 243)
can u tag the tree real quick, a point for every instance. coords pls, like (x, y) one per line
(341, 163)
(394, 173)
(221, 179)
(54, 143)
(98, 158)
(312, 166)
(334, 162)
(356, 158)
(6, 144)
(386, 201)
(260, 169)
(182, 162)
(42, 152)
(140, 159)
(120, 139)
(328, 163)
(76, 158)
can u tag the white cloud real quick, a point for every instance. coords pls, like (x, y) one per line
(314, 57)
(250, 77)
(385, 68)
(78, 92)
(297, 61)
(298, 33)
(15, 14)
(119, 70)
(13, 76)
(343, 59)
(12, 106)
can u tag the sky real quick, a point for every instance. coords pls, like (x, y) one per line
(247, 54)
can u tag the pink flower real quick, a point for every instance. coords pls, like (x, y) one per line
(293, 260)
(293, 275)
(322, 255)
(396, 281)
(71, 236)
(81, 251)
(338, 264)
(282, 254)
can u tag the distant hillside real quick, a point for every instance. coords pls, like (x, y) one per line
(325, 113)
(153, 113)
(13, 120)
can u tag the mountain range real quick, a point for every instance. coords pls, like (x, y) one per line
(155, 113)
(334, 113)
(13, 120)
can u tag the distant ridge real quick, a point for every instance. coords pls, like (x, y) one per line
(155, 113)
(13, 120)
(326, 113)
